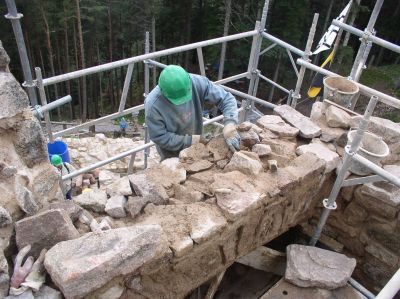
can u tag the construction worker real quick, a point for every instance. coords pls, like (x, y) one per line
(64, 168)
(174, 110)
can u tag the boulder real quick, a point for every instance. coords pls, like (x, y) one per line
(244, 163)
(115, 206)
(314, 267)
(121, 186)
(198, 166)
(337, 118)
(94, 200)
(331, 158)
(44, 230)
(276, 125)
(12, 97)
(261, 150)
(70, 207)
(249, 138)
(307, 128)
(83, 265)
(4, 59)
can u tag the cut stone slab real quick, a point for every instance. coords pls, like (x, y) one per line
(235, 204)
(94, 201)
(198, 166)
(44, 230)
(249, 138)
(277, 125)
(307, 128)
(85, 264)
(331, 158)
(121, 186)
(262, 150)
(337, 118)
(314, 267)
(115, 206)
(242, 162)
(285, 290)
(176, 168)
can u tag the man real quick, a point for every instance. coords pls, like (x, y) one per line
(174, 111)
(64, 168)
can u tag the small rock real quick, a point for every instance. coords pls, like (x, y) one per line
(273, 165)
(135, 205)
(25, 199)
(222, 163)
(236, 204)
(144, 186)
(337, 118)
(244, 126)
(262, 150)
(176, 168)
(44, 230)
(120, 187)
(195, 152)
(317, 111)
(314, 267)
(276, 125)
(106, 177)
(331, 158)
(198, 166)
(115, 206)
(46, 292)
(113, 292)
(13, 98)
(94, 201)
(5, 217)
(249, 138)
(4, 59)
(244, 163)
(256, 129)
(25, 295)
(218, 149)
(85, 264)
(307, 128)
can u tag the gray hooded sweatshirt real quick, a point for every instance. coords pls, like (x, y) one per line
(171, 126)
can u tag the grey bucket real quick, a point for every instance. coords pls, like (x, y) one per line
(372, 148)
(340, 90)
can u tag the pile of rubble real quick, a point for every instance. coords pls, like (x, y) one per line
(85, 151)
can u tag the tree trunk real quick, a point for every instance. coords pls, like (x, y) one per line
(82, 55)
(228, 7)
(276, 75)
(188, 30)
(110, 53)
(351, 23)
(67, 63)
(77, 67)
(50, 50)
(100, 76)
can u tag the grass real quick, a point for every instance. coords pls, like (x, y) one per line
(383, 78)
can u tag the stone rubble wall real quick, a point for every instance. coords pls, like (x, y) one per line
(27, 180)
(367, 221)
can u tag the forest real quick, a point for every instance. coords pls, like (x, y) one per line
(66, 35)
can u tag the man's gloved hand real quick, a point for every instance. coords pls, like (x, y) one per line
(232, 137)
(201, 138)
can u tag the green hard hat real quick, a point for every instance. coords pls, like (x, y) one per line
(56, 160)
(175, 84)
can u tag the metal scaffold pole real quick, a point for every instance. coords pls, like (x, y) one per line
(146, 92)
(14, 17)
(296, 95)
(363, 51)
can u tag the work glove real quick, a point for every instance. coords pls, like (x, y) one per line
(232, 137)
(201, 138)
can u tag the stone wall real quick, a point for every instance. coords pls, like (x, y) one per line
(367, 221)
(27, 180)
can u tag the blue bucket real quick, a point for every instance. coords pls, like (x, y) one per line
(58, 148)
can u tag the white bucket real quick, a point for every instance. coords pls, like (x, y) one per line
(340, 90)
(372, 147)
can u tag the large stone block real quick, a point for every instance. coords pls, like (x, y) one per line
(242, 162)
(276, 125)
(331, 158)
(121, 186)
(13, 98)
(44, 230)
(307, 128)
(85, 264)
(337, 118)
(95, 200)
(314, 267)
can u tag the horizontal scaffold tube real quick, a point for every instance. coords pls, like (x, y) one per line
(123, 62)
(283, 44)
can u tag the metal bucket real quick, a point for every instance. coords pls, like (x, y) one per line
(372, 148)
(340, 90)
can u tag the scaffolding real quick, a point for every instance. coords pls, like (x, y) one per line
(253, 74)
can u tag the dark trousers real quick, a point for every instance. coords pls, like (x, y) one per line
(68, 195)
